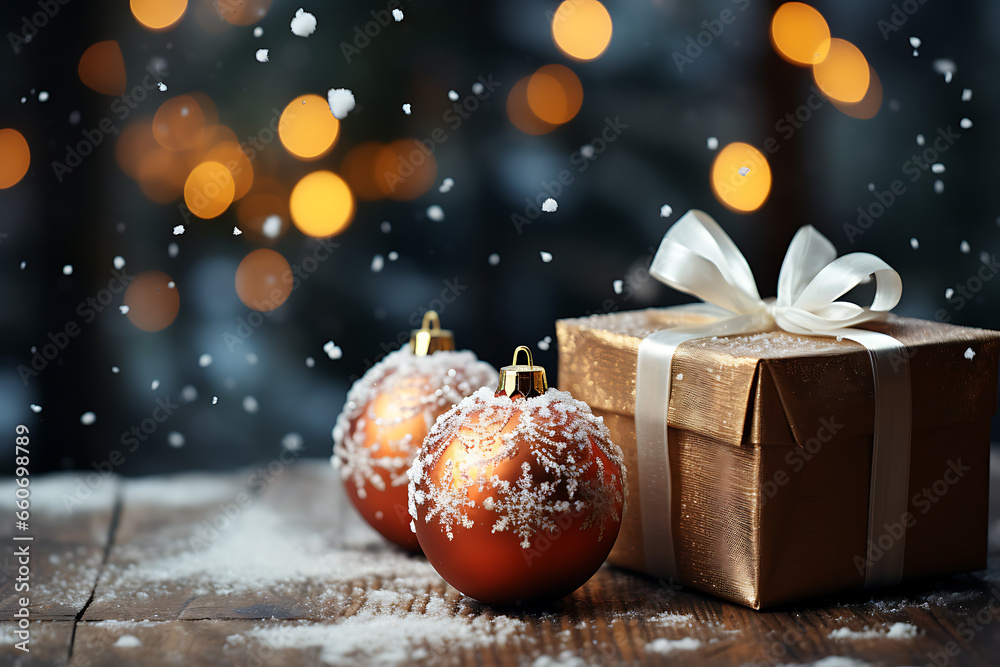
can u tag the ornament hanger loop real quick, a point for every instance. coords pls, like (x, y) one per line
(430, 337)
(431, 321)
(522, 380)
(527, 352)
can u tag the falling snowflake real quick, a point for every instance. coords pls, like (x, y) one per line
(397, 14)
(965, 123)
(969, 353)
(261, 55)
(272, 226)
(617, 286)
(446, 185)
(452, 95)
(407, 109)
(435, 213)
(303, 24)
(493, 259)
(666, 211)
(341, 101)
(154, 385)
(550, 205)
(377, 263)
(175, 439)
(162, 86)
(123, 309)
(88, 418)
(292, 442)
(914, 243)
(119, 262)
(67, 270)
(964, 247)
(332, 350)
(546, 256)
(178, 230)
(205, 360)
(236, 231)
(35, 408)
(258, 32)
(712, 143)
(250, 404)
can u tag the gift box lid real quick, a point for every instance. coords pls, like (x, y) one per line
(771, 387)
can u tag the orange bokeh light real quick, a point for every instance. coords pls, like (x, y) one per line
(243, 12)
(405, 169)
(209, 190)
(152, 303)
(321, 204)
(102, 68)
(179, 123)
(520, 113)
(16, 157)
(264, 280)
(799, 34)
(358, 169)
(746, 191)
(307, 127)
(554, 94)
(161, 175)
(844, 73)
(158, 15)
(232, 157)
(582, 28)
(267, 200)
(869, 104)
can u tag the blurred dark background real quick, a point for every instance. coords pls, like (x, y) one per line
(736, 89)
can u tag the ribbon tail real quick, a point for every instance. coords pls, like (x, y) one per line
(652, 401)
(890, 477)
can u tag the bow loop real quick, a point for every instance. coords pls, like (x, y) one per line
(697, 257)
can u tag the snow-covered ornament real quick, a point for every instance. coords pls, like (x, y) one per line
(517, 494)
(389, 411)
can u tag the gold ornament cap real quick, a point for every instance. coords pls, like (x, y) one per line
(525, 380)
(430, 337)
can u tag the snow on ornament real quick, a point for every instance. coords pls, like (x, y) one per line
(387, 415)
(517, 494)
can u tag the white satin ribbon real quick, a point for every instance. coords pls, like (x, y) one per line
(698, 258)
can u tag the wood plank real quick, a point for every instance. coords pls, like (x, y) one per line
(70, 521)
(297, 575)
(49, 644)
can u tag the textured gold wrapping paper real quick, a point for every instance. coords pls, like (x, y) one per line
(771, 450)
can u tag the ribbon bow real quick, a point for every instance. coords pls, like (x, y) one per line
(698, 258)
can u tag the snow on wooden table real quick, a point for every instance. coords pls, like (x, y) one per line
(271, 566)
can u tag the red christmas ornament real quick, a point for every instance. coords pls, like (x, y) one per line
(389, 411)
(517, 495)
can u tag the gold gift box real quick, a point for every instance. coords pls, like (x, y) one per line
(771, 450)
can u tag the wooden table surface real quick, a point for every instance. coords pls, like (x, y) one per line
(271, 566)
